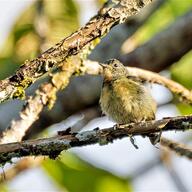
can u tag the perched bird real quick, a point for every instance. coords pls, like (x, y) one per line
(124, 98)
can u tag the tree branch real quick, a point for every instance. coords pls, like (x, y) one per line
(178, 148)
(92, 67)
(148, 59)
(73, 104)
(46, 95)
(23, 165)
(53, 146)
(111, 14)
(113, 41)
(163, 49)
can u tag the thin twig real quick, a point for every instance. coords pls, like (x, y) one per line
(178, 148)
(53, 146)
(166, 162)
(176, 88)
(22, 165)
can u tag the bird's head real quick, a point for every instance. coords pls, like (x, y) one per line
(113, 69)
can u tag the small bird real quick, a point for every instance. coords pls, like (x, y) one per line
(124, 98)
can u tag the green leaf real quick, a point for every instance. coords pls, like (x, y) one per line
(23, 42)
(22, 30)
(181, 71)
(184, 109)
(162, 18)
(3, 188)
(179, 7)
(74, 174)
(7, 66)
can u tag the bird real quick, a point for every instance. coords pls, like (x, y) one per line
(124, 98)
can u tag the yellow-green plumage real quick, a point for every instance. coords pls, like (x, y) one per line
(123, 98)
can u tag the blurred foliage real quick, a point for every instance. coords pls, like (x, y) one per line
(60, 18)
(3, 188)
(101, 2)
(161, 18)
(73, 174)
(184, 109)
(182, 71)
(57, 20)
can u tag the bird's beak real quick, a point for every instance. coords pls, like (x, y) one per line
(103, 65)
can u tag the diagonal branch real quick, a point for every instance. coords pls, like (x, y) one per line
(179, 148)
(44, 96)
(149, 59)
(111, 14)
(53, 146)
(21, 166)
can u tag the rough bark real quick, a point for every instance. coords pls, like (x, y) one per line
(47, 94)
(110, 15)
(53, 146)
(178, 148)
(73, 104)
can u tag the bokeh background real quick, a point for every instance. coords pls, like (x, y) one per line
(28, 27)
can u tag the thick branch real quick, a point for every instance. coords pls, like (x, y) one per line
(53, 146)
(165, 48)
(110, 15)
(113, 41)
(73, 104)
(44, 96)
(154, 60)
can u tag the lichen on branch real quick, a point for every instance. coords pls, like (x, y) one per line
(109, 15)
(53, 146)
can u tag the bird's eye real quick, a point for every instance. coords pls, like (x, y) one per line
(115, 65)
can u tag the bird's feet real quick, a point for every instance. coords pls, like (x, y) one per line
(155, 138)
(133, 142)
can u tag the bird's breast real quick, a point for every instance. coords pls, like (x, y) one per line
(126, 101)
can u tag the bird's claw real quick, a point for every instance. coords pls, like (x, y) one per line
(133, 142)
(155, 138)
